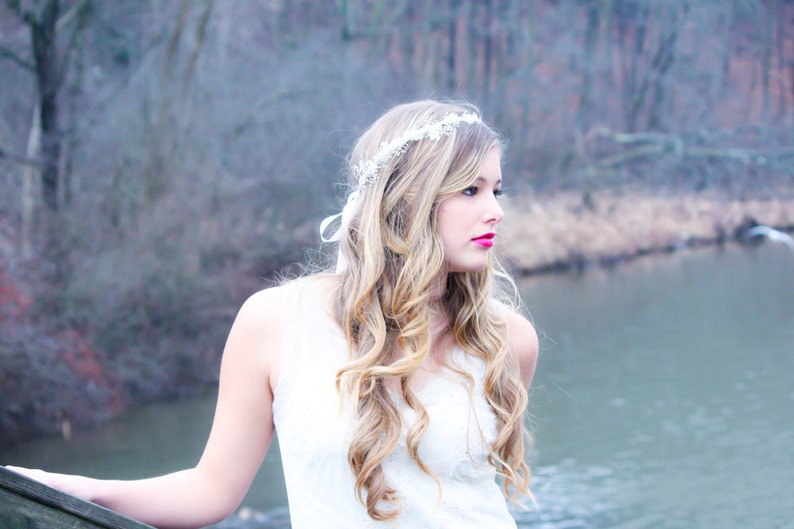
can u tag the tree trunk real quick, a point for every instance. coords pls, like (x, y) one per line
(43, 33)
(631, 96)
(29, 176)
(590, 44)
(666, 56)
(74, 90)
(766, 58)
(780, 42)
(172, 107)
(452, 47)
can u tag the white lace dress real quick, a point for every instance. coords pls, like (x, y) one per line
(314, 430)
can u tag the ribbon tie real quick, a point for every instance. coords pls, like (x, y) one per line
(346, 215)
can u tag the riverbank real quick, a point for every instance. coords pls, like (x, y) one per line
(572, 231)
(54, 382)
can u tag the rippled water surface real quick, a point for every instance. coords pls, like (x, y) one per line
(665, 394)
(664, 398)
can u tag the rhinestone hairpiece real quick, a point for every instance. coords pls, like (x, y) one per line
(367, 171)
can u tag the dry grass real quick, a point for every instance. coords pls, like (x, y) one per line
(564, 230)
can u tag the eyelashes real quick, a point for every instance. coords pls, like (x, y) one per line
(473, 190)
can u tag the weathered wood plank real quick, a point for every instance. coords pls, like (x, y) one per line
(19, 512)
(25, 503)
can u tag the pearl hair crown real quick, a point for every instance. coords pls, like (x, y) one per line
(368, 171)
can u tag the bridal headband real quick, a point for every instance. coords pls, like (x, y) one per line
(368, 171)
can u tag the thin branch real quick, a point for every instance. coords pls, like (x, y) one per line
(627, 156)
(201, 32)
(21, 160)
(645, 144)
(78, 12)
(5, 53)
(25, 15)
(75, 12)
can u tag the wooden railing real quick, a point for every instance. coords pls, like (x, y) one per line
(28, 504)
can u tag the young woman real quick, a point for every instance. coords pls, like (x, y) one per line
(397, 382)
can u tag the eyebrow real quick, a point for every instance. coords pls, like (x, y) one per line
(483, 180)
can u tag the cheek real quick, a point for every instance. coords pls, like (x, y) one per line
(445, 223)
(450, 224)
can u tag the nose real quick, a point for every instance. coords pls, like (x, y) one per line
(493, 211)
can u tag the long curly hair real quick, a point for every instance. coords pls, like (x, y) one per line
(388, 292)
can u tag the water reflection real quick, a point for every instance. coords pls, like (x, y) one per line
(663, 399)
(664, 396)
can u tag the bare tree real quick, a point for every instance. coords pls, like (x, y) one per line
(49, 65)
(176, 75)
(651, 91)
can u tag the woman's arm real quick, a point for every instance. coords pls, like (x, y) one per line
(241, 433)
(523, 344)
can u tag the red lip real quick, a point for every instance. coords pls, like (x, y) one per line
(486, 239)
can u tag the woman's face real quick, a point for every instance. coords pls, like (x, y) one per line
(467, 221)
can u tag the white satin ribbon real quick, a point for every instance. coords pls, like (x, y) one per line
(346, 215)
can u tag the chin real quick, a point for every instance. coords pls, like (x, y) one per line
(462, 268)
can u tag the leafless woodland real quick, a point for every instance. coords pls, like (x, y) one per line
(159, 158)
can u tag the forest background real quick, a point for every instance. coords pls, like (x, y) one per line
(162, 160)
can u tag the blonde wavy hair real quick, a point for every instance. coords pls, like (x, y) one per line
(385, 299)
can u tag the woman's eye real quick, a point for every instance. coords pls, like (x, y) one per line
(498, 192)
(470, 191)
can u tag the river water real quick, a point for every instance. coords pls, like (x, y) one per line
(664, 398)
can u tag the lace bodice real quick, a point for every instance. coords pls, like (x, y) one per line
(314, 429)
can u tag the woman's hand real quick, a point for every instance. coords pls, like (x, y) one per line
(79, 486)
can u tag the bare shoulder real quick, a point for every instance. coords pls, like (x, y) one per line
(265, 306)
(255, 333)
(262, 316)
(254, 347)
(523, 343)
